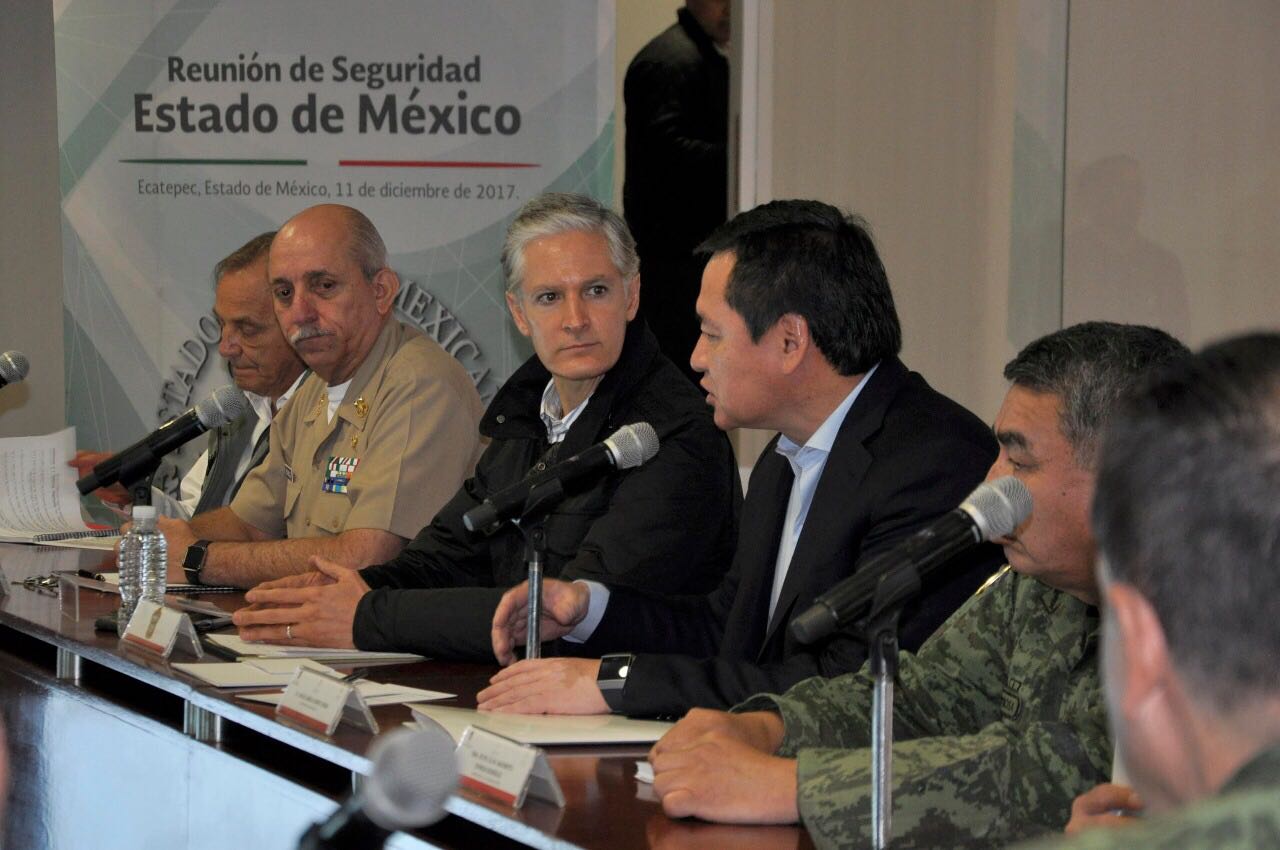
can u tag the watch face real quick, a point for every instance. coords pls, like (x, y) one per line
(614, 668)
(195, 556)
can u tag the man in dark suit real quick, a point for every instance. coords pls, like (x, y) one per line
(799, 334)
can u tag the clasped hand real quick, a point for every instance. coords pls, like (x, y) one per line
(720, 767)
(309, 609)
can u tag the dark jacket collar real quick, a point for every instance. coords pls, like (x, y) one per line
(867, 414)
(697, 34)
(514, 411)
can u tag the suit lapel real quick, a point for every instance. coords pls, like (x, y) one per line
(837, 500)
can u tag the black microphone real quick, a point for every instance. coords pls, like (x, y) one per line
(414, 772)
(629, 446)
(993, 510)
(13, 367)
(225, 405)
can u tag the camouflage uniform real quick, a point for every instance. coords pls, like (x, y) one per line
(1245, 814)
(999, 723)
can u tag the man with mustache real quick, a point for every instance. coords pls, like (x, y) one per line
(373, 443)
(261, 363)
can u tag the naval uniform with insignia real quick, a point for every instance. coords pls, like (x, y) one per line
(403, 439)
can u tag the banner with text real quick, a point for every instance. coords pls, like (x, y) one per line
(187, 127)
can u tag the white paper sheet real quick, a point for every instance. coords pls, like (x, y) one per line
(374, 693)
(261, 673)
(235, 644)
(37, 488)
(546, 729)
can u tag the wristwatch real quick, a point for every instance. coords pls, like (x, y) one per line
(193, 563)
(612, 678)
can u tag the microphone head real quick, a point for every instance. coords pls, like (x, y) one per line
(227, 404)
(414, 772)
(632, 445)
(13, 366)
(998, 507)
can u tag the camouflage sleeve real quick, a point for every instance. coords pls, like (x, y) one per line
(981, 790)
(951, 687)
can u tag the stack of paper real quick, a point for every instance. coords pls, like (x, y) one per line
(241, 648)
(544, 729)
(37, 488)
(374, 693)
(254, 673)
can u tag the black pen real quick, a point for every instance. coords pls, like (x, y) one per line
(219, 650)
(87, 574)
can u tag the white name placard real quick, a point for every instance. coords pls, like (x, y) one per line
(505, 770)
(319, 703)
(155, 628)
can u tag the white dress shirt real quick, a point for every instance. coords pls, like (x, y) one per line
(557, 422)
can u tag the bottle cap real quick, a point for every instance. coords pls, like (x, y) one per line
(144, 512)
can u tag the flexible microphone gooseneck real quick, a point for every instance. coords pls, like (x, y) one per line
(991, 511)
(629, 446)
(225, 405)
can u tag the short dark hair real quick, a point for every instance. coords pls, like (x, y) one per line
(244, 256)
(809, 258)
(1088, 366)
(1188, 512)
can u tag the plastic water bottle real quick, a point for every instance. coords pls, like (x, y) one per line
(143, 564)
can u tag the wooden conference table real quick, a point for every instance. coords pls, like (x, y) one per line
(110, 747)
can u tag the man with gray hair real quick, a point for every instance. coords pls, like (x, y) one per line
(371, 444)
(261, 363)
(998, 719)
(668, 526)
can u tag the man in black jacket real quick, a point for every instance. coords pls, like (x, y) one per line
(668, 525)
(799, 334)
(675, 192)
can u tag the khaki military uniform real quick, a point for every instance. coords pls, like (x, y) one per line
(1244, 815)
(998, 724)
(401, 443)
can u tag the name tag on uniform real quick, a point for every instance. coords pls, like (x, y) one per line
(338, 474)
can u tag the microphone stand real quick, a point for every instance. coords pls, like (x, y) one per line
(531, 522)
(880, 630)
(136, 474)
(882, 651)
